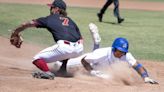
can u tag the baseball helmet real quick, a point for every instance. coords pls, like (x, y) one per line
(58, 3)
(120, 44)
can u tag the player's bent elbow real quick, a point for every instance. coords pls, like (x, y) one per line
(86, 65)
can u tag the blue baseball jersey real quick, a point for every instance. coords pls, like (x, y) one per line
(62, 28)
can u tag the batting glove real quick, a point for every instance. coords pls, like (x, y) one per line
(99, 74)
(149, 80)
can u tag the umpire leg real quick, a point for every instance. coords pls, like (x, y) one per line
(117, 12)
(103, 9)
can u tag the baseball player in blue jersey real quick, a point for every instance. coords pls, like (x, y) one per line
(119, 52)
(66, 34)
(115, 11)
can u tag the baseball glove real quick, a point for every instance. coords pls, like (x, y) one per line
(16, 40)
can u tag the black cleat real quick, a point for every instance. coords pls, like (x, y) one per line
(99, 17)
(43, 75)
(120, 20)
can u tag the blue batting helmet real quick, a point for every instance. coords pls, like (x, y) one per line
(121, 44)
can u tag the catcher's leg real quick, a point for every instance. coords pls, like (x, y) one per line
(95, 35)
(45, 72)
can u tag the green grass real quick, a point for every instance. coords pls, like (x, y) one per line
(143, 29)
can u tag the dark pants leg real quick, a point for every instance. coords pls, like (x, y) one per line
(63, 68)
(102, 11)
(116, 11)
(116, 8)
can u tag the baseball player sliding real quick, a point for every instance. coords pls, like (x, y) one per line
(102, 57)
(65, 33)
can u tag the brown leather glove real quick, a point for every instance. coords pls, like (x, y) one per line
(16, 40)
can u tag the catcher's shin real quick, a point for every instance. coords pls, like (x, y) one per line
(16, 40)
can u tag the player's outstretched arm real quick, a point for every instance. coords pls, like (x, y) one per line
(15, 38)
(24, 26)
(144, 74)
(93, 72)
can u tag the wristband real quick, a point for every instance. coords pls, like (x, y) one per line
(144, 74)
(138, 67)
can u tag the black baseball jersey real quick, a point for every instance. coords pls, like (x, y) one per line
(62, 28)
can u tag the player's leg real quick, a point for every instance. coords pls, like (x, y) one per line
(95, 35)
(117, 12)
(45, 72)
(47, 55)
(63, 68)
(59, 52)
(103, 9)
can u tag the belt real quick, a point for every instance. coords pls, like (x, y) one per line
(67, 42)
(70, 43)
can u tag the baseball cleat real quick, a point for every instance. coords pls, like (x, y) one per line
(95, 33)
(43, 75)
(99, 17)
(120, 20)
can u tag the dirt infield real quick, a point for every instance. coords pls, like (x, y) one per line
(16, 66)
